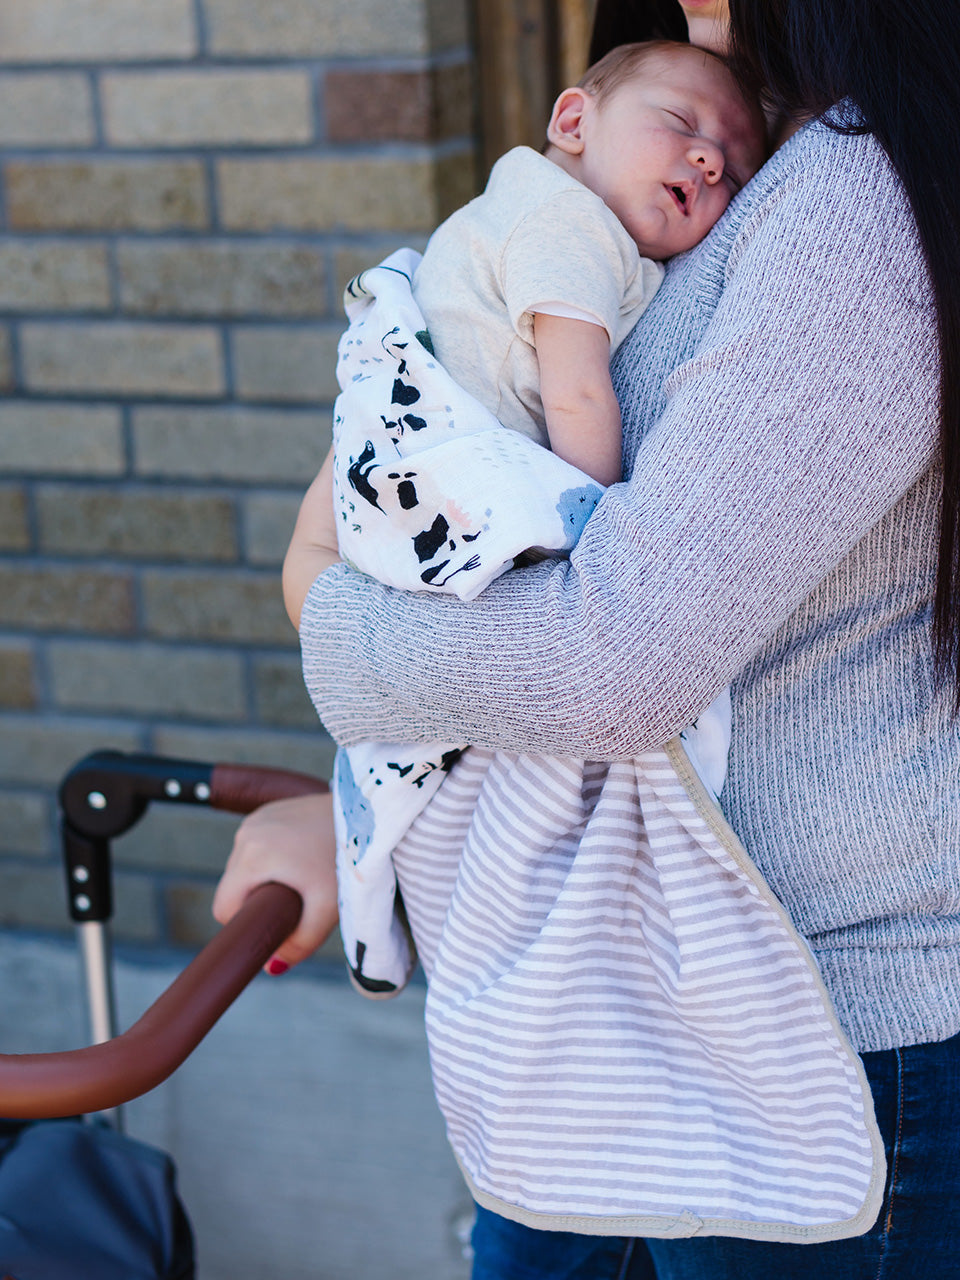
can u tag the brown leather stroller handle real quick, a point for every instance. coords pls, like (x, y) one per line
(37, 1086)
(241, 788)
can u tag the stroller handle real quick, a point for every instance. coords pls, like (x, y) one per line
(37, 1086)
(104, 1076)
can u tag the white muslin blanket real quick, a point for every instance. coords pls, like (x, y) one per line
(434, 494)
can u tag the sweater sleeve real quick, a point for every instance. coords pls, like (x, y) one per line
(807, 411)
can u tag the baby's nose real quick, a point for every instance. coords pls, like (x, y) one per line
(708, 158)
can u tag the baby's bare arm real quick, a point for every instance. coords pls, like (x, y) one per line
(582, 414)
(313, 546)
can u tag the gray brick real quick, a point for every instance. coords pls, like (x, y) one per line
(147, 679)
(106, 195)
(17, 678)
(269, 522)
(314, 193)
(261, 446)
(97, 30)
(61, 439)
(6, 360)
(53, 598)
(310, 752)
(122, 359)
(208, 107)
(26, 828)
(189, 918)
(14, 530)
(48, 275)
(40, 751)
(35, 898)
(317, 28)
(178, 838)
(152, 523)
(136, 916)
(296, 365)
(221, 279)
(281, 698)
(243, 607)
(46, 109)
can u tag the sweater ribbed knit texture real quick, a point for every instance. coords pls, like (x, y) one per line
(777, 530)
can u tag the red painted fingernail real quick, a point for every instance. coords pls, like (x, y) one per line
(276, 967)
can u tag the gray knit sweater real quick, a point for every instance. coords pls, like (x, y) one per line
(777, 529)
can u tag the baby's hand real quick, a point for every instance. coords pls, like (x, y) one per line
(313, 546)
(290, 841)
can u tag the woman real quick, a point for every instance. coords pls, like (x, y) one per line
(789, 524)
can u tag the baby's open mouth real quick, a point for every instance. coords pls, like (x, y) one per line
(680, 196)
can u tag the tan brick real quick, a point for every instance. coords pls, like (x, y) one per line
(448, 24)
(106, 195)
(269, 520)
(147, 679)
(96, 30)
(456, 182)
(349, 261)
(26, 826)
(281, 698)
(264, 446)
(296, 365)
(14, 529)
(178, 838)
(398, 106)
(47, 598)
(122, 359)
(318, 28)
(17, 678)
(244, 607)
(46, 109)
(310, 752)
(40, 751)
(209, 107)
(221, 279)
(48, 275)
(151, 523)
(61, 439)
(315, 193)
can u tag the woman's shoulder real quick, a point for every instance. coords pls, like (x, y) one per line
(830, 186)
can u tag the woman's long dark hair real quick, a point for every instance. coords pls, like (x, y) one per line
(624, 21)
(899, 62)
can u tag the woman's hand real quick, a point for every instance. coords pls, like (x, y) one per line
(290, 841)
(313, 546)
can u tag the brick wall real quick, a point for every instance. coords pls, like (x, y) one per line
(185, 186)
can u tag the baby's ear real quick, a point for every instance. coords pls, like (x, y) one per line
(565, 129)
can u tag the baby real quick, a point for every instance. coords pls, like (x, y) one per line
(504, 347)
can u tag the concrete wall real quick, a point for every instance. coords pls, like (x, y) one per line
(185, 186)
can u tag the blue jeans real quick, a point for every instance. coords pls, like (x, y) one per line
(916, 1093)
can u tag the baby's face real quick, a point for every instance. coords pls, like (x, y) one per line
(669, 148)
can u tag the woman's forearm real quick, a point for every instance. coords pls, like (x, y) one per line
(808, 411)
